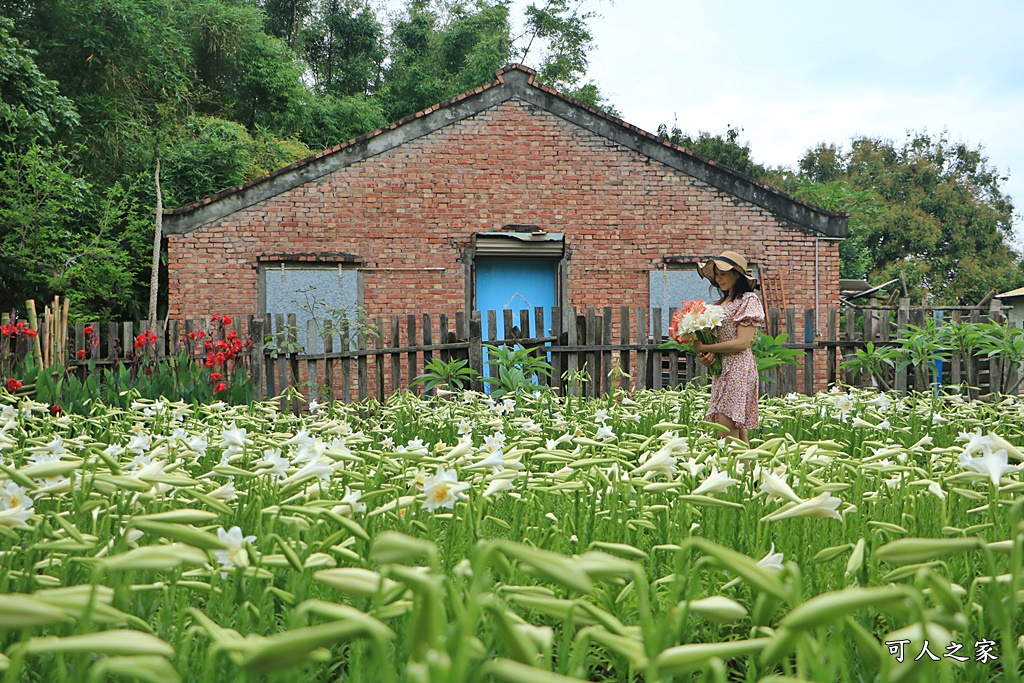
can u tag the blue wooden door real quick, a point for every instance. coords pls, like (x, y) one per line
(515, 284)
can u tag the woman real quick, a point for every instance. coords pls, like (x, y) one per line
(734, 392)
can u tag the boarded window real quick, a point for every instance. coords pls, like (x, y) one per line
(670, 287)
(318, 293)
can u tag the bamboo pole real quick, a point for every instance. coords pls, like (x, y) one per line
(33, 321)
(64, 332)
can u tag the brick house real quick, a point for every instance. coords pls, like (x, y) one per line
(509, 195)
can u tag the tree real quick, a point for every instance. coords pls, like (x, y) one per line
(31, 107)
(929, 208)
(725, 150)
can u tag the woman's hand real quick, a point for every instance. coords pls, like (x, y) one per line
(706, 359)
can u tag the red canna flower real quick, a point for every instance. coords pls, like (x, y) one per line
(220, 387)
(80, 353)
(140, 341)
(215, 376)
(29, 332)
(13, 385)
(209, 362)
(88, 330)
(56, 409)
(225, 320)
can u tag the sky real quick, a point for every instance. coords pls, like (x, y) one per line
(796, 73)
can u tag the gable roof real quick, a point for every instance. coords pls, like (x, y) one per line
(515, 81)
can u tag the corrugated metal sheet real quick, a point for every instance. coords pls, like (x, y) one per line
(520, 244)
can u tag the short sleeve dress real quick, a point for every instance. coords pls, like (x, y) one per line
(734, 392)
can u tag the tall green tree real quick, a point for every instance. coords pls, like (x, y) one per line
(929, 208)
(32, 109)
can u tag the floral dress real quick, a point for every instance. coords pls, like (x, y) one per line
(734, 392)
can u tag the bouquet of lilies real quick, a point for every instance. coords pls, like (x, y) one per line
(695, 320)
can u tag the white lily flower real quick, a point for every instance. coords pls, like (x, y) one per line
(716, 482)
(498, 485)
(235, 555)
(993, 463)
(772, 560)
(604, 433)
(662, 462)
(443, 489)
(777, 488)
(824, 505)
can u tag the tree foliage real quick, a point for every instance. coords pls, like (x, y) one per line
(930, 209)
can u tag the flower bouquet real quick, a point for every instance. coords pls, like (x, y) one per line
(695, 320)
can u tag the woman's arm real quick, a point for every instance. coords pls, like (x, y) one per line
(743, 341)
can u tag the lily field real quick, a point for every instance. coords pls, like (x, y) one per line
(859, 537)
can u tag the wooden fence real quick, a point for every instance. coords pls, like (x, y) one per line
(357, 364)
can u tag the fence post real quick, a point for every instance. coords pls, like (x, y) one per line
(256, 357)
(476, 349)
(329, 362)
(830, 358)
(809, 353)
(606, 339)
(642, 332)
(624, 353)
(655, 355)
(571, 359)
(789, 371)
(557, 359)
(902, 320)
(396, 358)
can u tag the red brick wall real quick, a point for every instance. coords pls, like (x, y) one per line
(417, 206)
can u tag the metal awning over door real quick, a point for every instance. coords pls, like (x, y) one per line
(519, 244)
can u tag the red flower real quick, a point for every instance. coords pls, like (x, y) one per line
(225, 320)
(209, 362)
(56, 409)
(214, 318)
(88, 330)
(220, 387)
(13, 385)
(29, 332)
(219, 358)
(80, 353)
(215, 376)
(140, 341)
(7, 330)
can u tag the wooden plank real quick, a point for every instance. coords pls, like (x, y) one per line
(412, 355)
(642, 337)
(161, 343)
(809, 354)
(492, 338)
(830, 352)
(581, 357)
(624, 338)
(673, 357)
(570, 329)
(128, 335)
(396, 358)
(655, 356)
(539, 327)
(312, 370)
(255, 356)
(293, 357)
(428, 340)
(345, 344)
(606, 327)
(442, 331)
(557, 359)
(379, 342)
(593, 359)
(476, 353)
(362, 374)
(281, 341)
(955, 362)
(902, 320)
(329, 363)
(789, 371)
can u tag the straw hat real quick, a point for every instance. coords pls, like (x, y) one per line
(728, 260)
